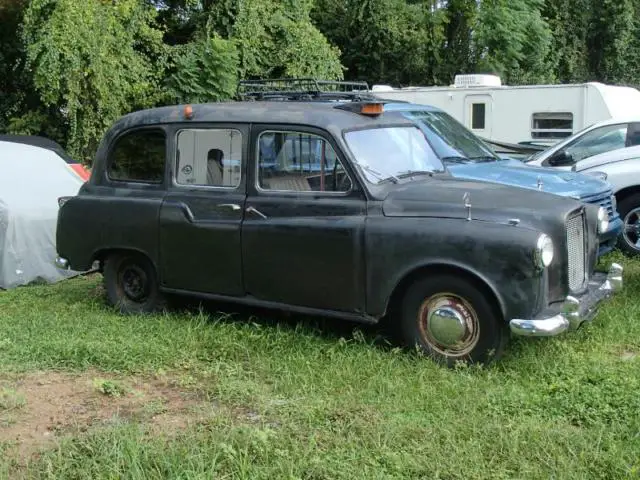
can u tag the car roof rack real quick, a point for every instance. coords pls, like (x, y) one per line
(303, 89)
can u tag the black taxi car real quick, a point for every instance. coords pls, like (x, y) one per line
(336, 209)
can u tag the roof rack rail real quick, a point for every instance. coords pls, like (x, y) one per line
(302, 89)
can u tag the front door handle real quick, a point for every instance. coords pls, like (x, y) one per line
(232, 206)
(253, 210)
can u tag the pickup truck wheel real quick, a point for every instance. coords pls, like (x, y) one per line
(629, 210)
(451, 320)
(131, 284)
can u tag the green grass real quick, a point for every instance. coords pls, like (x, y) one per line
(330, 401)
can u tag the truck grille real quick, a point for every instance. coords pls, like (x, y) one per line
(576, 252)
(603, 199)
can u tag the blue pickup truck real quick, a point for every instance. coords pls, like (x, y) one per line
(466, 156)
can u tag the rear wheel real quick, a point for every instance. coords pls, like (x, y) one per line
(629, 210)
(451, 320)
(131, 283)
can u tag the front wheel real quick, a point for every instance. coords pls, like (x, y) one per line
(451, 320)
(629, 210)
(131, 284)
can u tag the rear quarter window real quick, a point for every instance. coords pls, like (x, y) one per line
(138, 156)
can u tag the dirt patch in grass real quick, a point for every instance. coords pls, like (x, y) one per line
(37, 409)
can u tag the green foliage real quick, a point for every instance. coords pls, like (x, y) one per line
(458, 52)
(204, 71)
(13, 83)
(513, 40)
(381, 40)
(275, 398)
(68, 69)
(93, 61)
(277, 39)
(610, 39)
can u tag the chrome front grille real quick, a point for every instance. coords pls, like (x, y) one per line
(576, 252)
(604, 200)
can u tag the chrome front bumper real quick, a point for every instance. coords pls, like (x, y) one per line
(573, 312)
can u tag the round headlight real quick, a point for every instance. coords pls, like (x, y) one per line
(544, 251)
(603, 220)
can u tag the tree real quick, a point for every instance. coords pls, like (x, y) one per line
(460, 20)
(14, 84)
(611, 40)
(569, 22)
(205, 70)
(92, 61)
(383, 41)
(277, 39)
(513, 40)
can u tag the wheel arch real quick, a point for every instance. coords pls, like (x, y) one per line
(101, 255)
(626, 192)
(444, 268)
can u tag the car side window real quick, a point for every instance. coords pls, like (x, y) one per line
(138, 156)
(599, 140)
(299, 162)
(209, 157)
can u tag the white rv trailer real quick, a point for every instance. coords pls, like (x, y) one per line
(540, 114)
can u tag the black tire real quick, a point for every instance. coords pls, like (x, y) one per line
(629, 210)
(131, 284)
(476, 322)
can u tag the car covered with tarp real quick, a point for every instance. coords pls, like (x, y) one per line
(32, 178)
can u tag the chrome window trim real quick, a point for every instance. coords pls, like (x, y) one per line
(211, 188)
(309, 193)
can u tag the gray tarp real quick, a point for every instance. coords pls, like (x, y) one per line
(31, 180)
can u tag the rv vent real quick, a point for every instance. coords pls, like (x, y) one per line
(464, 81)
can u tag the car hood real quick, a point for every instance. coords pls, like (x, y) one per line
(612, 156)
(516, 173)
(443, 197)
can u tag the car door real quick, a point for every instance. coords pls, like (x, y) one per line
(303, 231)
(201, 216)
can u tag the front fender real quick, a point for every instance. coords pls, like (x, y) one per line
(501, 256)
(620, 175)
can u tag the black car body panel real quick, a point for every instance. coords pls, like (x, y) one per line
(340, 253)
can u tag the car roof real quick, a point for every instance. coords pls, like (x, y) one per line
(13, 148)
(320, 114)
(613, 121)
(36, 142)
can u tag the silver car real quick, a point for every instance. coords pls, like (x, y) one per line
(609, 150)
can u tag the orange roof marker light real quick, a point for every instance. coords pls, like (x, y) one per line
(369, 108)
(188, 112)
(372, 109)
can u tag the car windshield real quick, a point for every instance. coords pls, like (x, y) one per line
(450, 139)
(390, 153)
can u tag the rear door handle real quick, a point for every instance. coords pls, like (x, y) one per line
(253, 210)
(232, 206)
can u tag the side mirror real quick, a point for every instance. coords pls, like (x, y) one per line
(561, 159)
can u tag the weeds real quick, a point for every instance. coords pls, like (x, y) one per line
(303, 398)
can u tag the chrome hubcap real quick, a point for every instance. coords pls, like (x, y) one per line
(631, 232)
(449, 324)
(446, 326)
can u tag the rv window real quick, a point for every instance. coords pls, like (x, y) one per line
(552, 125)
(478, 116)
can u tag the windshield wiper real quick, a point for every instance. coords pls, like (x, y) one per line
(484, 158)
(411, 173)
(455, 159)
(380, 176)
